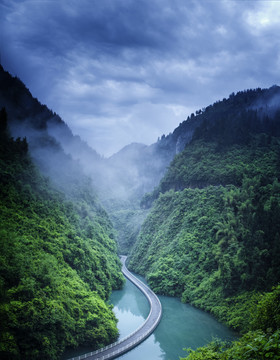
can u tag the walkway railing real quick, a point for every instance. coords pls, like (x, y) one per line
(139, 335)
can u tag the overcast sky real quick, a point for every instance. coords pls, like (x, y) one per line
(122, 71)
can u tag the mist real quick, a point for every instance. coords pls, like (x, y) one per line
(122, 178)
(123, 71)
(120, 181)
(126, 175)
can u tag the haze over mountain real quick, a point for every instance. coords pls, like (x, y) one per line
(137, 168)
(197, 212)
(58, 261)
(212, 236)
(120, 71)
(133, 171)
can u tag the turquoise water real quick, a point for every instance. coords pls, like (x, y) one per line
(181, 326)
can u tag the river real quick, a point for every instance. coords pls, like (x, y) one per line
(182, 325)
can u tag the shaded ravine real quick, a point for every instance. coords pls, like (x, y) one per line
(145, 330)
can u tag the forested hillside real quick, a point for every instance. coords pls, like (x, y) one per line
(210, 233)
(58, 262)
(119, 181)
(213, 234)
(139, 168)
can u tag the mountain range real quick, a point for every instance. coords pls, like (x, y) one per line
(197, 213)
(134, 170)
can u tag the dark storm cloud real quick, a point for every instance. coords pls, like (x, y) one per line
(120, 71)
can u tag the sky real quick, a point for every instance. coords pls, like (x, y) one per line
(123, 71)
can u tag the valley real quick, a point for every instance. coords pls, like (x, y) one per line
(197, 214)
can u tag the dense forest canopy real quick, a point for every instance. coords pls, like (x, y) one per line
(197, 212)
(58, 262)
(213, 234)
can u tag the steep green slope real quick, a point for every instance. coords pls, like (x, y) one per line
(212, 236)
(58, 263)
(261, 342)
(139, 168)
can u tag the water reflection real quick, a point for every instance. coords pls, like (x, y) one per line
(131, 308)
(182, 326)
(130, 299)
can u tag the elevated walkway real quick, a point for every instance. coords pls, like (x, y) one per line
(122, 346)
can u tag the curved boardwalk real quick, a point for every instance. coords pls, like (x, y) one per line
(122, 346)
